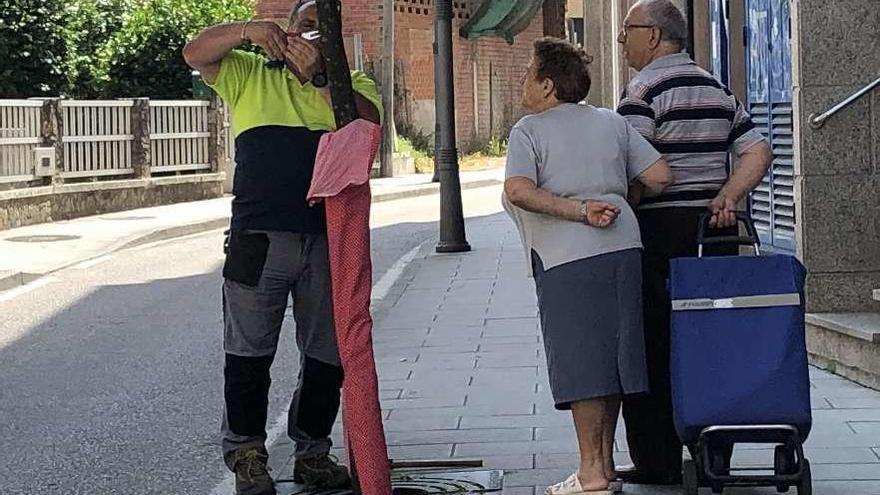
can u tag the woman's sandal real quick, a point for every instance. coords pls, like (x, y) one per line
(572, 486)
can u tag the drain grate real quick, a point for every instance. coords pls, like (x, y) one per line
(425, 483)
(43, 238)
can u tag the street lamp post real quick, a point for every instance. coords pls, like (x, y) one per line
(452, 234)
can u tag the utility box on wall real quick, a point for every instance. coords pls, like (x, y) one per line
(44, 162)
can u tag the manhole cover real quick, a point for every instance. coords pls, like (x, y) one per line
(428, 483)
(43, 238)
(128, 218)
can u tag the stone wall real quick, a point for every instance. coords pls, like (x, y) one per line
(22, 207)
(836, 49)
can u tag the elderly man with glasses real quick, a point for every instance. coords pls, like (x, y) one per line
(696, 124)
(278, 244)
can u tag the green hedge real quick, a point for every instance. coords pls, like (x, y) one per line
(104, 48)
(144, 57)
(32, 39)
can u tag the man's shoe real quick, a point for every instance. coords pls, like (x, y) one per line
(252, 473)
(322, 471)
(633, 476)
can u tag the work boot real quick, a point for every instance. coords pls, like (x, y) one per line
(252, 473)
(322, 471)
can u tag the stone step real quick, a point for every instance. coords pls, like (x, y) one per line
(864, 326)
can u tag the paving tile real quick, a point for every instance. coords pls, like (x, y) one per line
(855, 403)
(535, 447)
(421, 423)
(533, 477)
(504, 360)
(518, 490)
(764, 457)
(483, 435)
(565, 432)
(411, 452)
(852, 472)
(507, 462)
(500, 398)
(521, 421)
(452, 393)
(446, 361)
(424, 402)
(820, 417)
(869, 428)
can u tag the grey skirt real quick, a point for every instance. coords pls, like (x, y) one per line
(591, 319)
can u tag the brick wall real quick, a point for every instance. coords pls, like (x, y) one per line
(488, 69)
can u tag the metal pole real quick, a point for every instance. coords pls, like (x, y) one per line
(389, 132)
(344, 108)
(691, 43)
(338, 72)
(452, 235)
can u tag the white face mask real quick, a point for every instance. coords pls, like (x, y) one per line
(311, 35)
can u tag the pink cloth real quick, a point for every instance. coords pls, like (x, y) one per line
(345, 158)
(342, 173)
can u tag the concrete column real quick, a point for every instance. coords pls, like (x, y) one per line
(599, 41)
(140, 148)
(836, 167)
(217, 140)
(52, 130)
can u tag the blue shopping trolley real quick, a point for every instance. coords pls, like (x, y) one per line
(739, 364)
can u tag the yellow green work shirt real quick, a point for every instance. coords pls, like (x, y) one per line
(260, 96)
(278, 123)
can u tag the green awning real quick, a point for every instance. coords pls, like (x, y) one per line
(502, 18)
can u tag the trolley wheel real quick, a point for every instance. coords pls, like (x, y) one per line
(783, 460)
(805, 486)
(721, 461)
(690, 478)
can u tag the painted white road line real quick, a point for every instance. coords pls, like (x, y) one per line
(279, 426)
(24, 289)
(380, 290)
(92, 262)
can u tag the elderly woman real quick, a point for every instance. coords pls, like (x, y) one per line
(569, 167)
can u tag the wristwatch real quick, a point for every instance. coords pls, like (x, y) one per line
(319, 80)
(583, 211)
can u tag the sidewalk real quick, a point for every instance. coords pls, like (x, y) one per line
(462, 374)
(29, 253)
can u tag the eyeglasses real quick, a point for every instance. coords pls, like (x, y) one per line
(624, 31)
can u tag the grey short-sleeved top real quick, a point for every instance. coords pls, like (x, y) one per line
(578, 152)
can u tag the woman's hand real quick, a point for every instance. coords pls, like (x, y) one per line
(599, 214)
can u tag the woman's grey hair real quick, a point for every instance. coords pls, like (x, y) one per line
(666, 16)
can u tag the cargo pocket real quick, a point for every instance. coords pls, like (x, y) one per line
(246, 258)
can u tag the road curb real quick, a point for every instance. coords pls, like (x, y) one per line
(163, 234)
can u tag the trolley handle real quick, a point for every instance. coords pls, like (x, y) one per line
(751, 239)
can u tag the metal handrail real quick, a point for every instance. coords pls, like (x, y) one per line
(817, 122)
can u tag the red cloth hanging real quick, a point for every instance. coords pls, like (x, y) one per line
(341, 179)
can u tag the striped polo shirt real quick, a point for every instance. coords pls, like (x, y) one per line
(694, 121)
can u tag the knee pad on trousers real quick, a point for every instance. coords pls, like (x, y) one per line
(246, 391)
(319, 397)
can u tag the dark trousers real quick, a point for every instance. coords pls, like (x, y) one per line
(666, 233)
(262, 271)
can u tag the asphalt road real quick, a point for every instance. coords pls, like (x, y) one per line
(111, 373)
